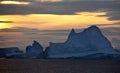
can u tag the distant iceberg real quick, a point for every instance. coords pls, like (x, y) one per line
(89, 43)
(35, 51)
(12, 52)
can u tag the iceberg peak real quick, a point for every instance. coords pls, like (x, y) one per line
(93, 29)
(72, 31)
(34, 51)
(36, 44)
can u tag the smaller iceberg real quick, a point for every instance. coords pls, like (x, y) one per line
(12, 52)
(34, 51)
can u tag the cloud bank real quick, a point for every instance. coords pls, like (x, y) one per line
(63, 8)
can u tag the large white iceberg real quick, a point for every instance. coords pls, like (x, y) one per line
(89, 43)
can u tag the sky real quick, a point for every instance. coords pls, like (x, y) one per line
(22, 21)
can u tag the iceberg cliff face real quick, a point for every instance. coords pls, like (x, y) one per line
(89, 43)
(34, 51)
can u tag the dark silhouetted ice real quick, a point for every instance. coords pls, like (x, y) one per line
(34, 51)
(90, 43)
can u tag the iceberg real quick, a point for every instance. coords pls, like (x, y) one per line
(34, 51)
(11, 52)
(90, 43)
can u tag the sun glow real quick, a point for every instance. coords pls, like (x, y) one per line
(55, 22)
(14, 2)
(5, 25)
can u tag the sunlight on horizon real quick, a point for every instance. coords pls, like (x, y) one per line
(13, 2)
(56, 22)
(5, 25)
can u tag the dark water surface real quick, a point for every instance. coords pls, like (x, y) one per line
(59, 66)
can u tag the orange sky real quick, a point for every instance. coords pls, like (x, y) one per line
(53, 22)
(55, 15)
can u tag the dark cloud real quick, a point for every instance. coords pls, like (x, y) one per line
(117, 23)
(13, 37)
(30, 31)
(55, 33)
(65, 7)
(113, 15)
(23, 30)
(113, 31)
